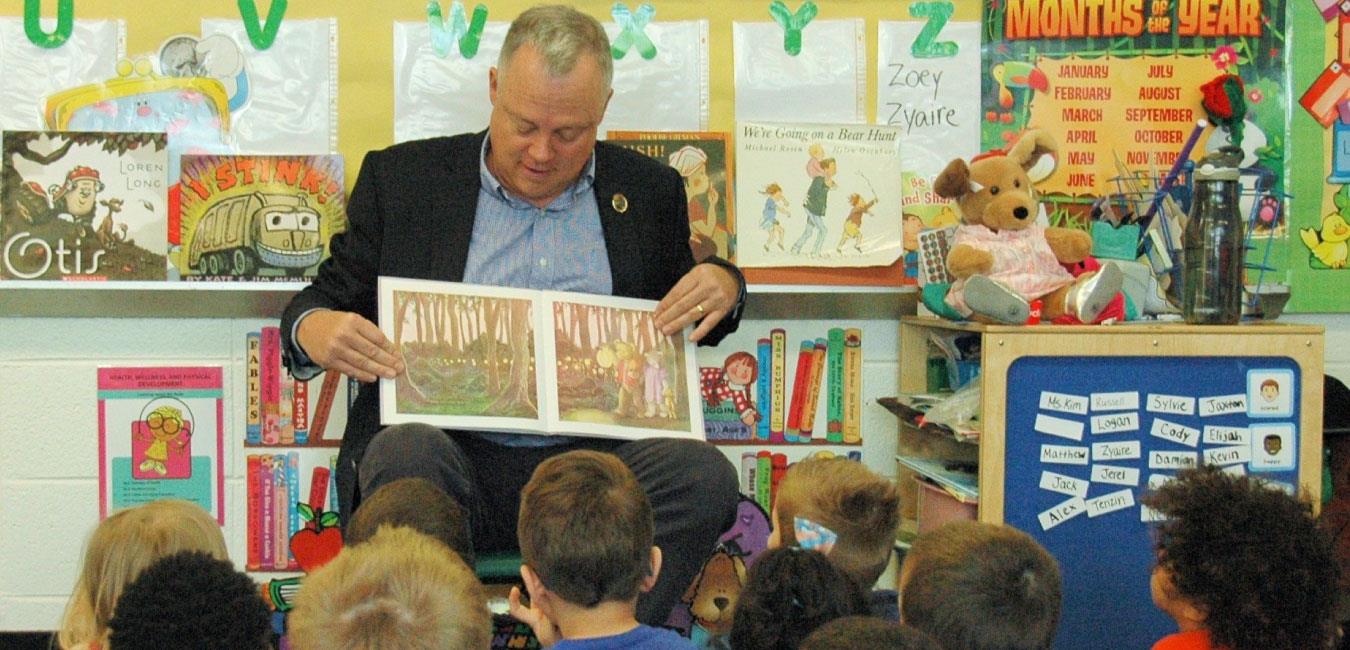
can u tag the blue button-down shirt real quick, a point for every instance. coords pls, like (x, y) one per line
(559, 247)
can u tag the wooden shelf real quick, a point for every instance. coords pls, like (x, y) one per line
(74, 299)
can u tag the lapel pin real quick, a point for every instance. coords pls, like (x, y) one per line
(620, 203)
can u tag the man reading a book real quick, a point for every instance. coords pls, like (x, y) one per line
(533, 202)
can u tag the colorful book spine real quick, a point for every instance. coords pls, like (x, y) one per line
(763, 479)
(778, 466)
(300, 412)
(254, 497)
(799, 380)
(293, 497)
(280, 519)
(271, 385)
(777, 408)
(763, 387)
(834, 398)
(285, 403)
(748, 463)
(253, 424)
(332, 484)
(852, 386)
(808, 420)
(327, 393)
(318, 489)
(267, 516)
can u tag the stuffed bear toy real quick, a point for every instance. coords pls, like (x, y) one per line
(1002, 259)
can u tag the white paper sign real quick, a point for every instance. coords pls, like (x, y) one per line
(1177, 433)
(1171, 459)
(1236, 470)
(1062, 512)
(1174, 404)
(1156, 481)
(668, 92)
(1059, 426)
(1227, 455)
(826, 82)
(1115, 475)
(1064, 455)
(1074, 487)
(1223, 404)
(933, 100)
(1064, 403)
(1215, 435)
(1125, 401)
(1111, 502)
(436, 96)
(1115, 423)
(32, 73)
(1128, 450)
(1149, 515)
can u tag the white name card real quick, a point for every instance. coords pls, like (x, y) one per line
(1115, 475)
(1178, 433)
(1064, 403)
(1059, 426)
(1223, 404)
(1126, 401)
(1171, 459)
(1216, 435)
(1062, 512)
(1228, 455)
(1110, 502)
(1115, 423)
(1128, 450)
(1174, 404)
(1074, 487)
(1064, 455)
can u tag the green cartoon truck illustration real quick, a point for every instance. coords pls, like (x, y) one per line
(243, 234)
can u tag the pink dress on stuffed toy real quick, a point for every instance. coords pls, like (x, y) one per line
(1023, 262)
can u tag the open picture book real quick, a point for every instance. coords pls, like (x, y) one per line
(542, 362)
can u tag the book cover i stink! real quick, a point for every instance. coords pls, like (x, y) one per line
(83, 206)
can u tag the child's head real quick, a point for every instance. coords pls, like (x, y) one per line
(1270, 389)
(191, 600)
(400, 589)
(418, 504)
(772, 189)
(585, 530)
(789, 593)
(741, 368)
(816, 150)
(829, 166)
(853, 632)
(120, 548)
(860, 507)
(1243, 560)
(1008, 587)
(1272, 444)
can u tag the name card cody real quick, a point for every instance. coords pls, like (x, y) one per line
(1064, 403)
(1124, 401)
(1128, 450)
(1173, 404)
(1115, 475)
(1178, 433)
(1062, 512)
(1115, 423)
(1064, 455)
(1111, 502)
(1074, 487)
(1214, 435)
(1059, 426)
(1223, 405)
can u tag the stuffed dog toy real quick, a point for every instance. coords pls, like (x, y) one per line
(712, 596)
(1002, 258)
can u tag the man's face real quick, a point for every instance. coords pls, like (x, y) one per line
(543, 127)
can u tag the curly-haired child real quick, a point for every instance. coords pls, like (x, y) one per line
(191, 601)
(120, 548)
(789, 593)
(1241, 565)
(846, 511)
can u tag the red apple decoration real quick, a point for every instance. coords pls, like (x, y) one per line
(318, 542)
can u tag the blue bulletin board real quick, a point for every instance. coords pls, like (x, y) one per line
(1086, 435)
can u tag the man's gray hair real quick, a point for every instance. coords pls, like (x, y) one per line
(561, 35)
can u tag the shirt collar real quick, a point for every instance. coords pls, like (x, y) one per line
(564, 201)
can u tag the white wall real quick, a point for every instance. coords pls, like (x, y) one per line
(48, 427)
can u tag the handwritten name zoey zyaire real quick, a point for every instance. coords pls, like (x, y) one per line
(910, 116)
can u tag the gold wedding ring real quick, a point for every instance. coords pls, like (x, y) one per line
(699, 307)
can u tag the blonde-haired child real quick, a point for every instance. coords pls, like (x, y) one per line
(120, 548)
(848, 512)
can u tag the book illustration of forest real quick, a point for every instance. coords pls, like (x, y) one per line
(615, 367)
(465, 355)
(84, 206)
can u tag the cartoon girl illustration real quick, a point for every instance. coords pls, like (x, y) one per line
(732, 381)
(164, 426)
(654, 384)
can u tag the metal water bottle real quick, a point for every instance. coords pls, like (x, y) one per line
(1212, 275)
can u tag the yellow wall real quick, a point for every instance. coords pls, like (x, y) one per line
(365, 44)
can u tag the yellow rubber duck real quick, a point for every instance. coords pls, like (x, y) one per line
(1330, 245)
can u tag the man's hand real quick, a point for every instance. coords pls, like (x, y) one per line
(707, 293)
(350, 344)
(544, 629)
